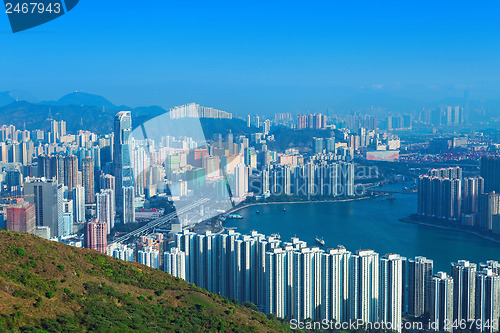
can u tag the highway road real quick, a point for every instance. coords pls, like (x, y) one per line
(164, 219)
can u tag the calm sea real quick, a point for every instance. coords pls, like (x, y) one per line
(367, 224)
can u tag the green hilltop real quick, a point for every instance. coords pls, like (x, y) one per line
(47, 286)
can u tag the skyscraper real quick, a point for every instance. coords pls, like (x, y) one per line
(95, 236)
(13, 178)
(364, 286)
(318, 145)
(335, 284)
(45, 195)
(141, 167)
(419, 282)
(122, 166)
(487, 301)
(67, 227)
(490, 171)
(123, 252)
(330, 145)
(128, 208)
(441, 316)
(70, 173)
(391, 290)
(301, 122)
(230, 143)
(265, 182)
(310, 121)
(305, 264)
(276, 283)
(149, 256)
(211, 164)
(104, 208)
(61, 227)
(318, 121)
(490, 264)
(346, 175)
(240, 183)
(47, 166)
(473, 188)
(184, 241)
(88, 180)
(267, 126)
(107, 182)
(464, 280)
(440, 197)
(452, 198)
(79, 204)
(21, 217)
(489, 205)
(175, 263)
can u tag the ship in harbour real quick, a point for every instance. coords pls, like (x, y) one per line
(320, 241)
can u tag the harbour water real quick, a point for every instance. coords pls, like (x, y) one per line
(367, 224)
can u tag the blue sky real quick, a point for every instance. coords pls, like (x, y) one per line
(258, 56)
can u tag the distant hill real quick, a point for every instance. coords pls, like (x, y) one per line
(98, 119)
(81, 98)
(36, 116)
(223, 126)
(286, 138)
(47, 286)
(144, 113)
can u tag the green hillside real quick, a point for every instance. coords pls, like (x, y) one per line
(51, 287)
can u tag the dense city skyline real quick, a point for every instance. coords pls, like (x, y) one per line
(81, 188)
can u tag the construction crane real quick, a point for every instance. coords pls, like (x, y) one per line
(10, 198)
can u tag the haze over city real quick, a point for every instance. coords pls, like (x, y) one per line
(263, 57)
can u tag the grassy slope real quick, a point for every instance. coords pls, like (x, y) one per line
(53, 287)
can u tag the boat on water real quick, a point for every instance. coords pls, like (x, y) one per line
(234, 216)
(257, 212)
(410, 189)
(320, 241)
(389, 198)
(284, 209)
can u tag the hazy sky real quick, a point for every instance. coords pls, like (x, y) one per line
(258, 56)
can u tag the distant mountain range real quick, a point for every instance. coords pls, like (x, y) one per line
(81, 98)
(79, 110)
(11, 96)
(83, 111)
(25, 115)
(387, 102)
(95, 113)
